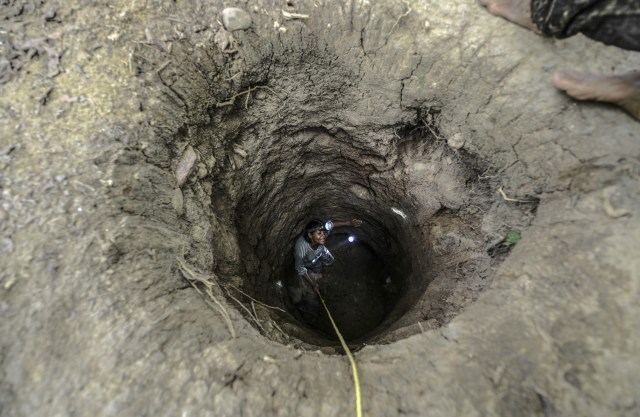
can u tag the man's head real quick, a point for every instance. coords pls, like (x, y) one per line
(315, 232)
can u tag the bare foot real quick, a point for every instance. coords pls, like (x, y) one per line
(516, 11)
(621, 90)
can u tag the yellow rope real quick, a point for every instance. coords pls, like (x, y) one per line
(354, 368)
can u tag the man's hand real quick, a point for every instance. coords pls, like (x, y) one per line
(356, 222)
(311, 282)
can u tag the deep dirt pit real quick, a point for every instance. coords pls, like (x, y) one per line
(263, 153)
(425, 208)
(261, 159)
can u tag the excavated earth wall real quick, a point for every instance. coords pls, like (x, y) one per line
(142, 145)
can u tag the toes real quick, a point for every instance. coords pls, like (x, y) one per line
(563, 78)
(578, 85)
(491, 6)
(494, 8)
(558, 77)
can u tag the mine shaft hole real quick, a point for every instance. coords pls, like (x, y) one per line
(357, 288)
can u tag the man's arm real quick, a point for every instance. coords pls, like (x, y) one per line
(327, 258)
(298, 256)
(352, 222)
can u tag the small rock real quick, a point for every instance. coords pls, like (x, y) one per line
(240, 151)
(456, 141)
(202, 171)
(223, 39)
(360, 191)
(198, 234)
(50, 15)
(185, 166)
(211, 162)
(611, 200)
(328, 350)
(9, 282)
(235, 19)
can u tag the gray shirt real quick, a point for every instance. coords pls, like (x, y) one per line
(308, 258)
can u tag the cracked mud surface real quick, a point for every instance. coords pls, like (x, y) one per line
(129, 139)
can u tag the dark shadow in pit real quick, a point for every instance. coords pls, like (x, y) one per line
(357, 288)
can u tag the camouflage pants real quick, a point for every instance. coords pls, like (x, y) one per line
(613, 22)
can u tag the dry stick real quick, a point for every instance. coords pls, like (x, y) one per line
(195, 287)
(246, 309)
(232, 77)
(190, 275)
(279, 329)
(246, 103)
(515, 200)
(163, 66)
(488, 177)
(246, 100)
(291, 16)
(253, 307)
(88, 187)
(223, 310)
(401, 16)
(227, 319)
(431, 130)
(253, 299)
(178, 20)
(220, 310)
(152, 46)
(230, 100)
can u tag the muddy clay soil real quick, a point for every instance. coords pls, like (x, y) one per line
(156, 167)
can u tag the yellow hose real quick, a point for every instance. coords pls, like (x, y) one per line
(354, 368)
